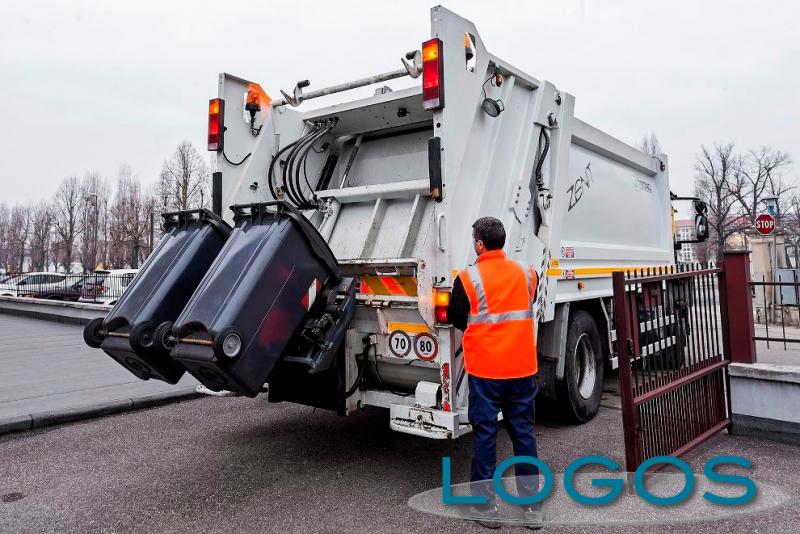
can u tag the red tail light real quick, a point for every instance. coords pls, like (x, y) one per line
(216, 124)
(432, 75)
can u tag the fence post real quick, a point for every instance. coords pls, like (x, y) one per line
(623, 322)
(739, 307)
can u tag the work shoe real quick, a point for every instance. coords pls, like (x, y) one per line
(485, 515)
(534, 517)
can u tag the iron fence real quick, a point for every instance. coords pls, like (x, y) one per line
(671, 336)
(777, 306)
(98, 287)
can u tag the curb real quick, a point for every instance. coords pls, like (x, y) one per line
(79, 321)
(52, 310)
(42, 419)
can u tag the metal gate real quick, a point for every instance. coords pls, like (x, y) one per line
(671, 332)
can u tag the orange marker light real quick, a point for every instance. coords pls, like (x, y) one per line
(441, 299)
(430, 50)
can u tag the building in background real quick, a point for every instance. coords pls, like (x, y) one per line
(685, 231)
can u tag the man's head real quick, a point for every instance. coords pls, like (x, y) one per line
(488, 234)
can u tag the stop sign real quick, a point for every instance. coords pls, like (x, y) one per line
(765, 224)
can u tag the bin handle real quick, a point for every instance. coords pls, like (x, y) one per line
(439, 241)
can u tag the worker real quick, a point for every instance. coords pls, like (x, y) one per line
(492, 302)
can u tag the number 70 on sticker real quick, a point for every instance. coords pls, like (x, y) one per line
(424, 345)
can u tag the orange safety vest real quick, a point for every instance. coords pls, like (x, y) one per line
(500, 341)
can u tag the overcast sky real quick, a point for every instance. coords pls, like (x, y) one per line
(88, 85)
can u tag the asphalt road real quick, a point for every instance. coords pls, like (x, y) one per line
(243, 465)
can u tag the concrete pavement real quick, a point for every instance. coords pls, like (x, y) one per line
(775, 351)
(48, 375)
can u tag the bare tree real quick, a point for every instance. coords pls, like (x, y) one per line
(716, 184)
(757, 174)
(649, 145)
(95, 192)
(41, 232)
(129, 228)
(184, 180)
(19, 230)
(5, 219)
(67, 207)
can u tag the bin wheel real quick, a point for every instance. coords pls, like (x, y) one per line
(228, 343)
(164, 336)
(93, 333)
(143, 335)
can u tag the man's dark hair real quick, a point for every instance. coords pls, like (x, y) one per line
(490, 231)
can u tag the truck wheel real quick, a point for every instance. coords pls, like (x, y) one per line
(580, 391)
(93, 333)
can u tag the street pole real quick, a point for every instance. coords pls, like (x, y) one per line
(96, 224)
(151, 232)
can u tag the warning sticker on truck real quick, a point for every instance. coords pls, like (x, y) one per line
(399, 343)
(425, 346)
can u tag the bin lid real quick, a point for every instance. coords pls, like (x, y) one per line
(199, 215)
(279, 208)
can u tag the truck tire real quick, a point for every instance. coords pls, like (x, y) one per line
(580, 390)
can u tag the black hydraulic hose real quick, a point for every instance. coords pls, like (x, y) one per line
(270, 173)
(294, 169)
(360, 376)
(538, 173)
(303, 157)
(235, 164)
(287, 168)
(286, 191)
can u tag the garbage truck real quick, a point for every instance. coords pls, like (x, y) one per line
(341, 228)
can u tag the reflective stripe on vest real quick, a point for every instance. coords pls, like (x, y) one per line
(483, 315)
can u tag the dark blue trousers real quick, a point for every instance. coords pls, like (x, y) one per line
(514, 397)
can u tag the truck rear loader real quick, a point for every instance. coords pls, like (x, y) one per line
(351, 221)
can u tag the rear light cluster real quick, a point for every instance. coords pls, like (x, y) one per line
(216, 124)
(441, 299)
(432, 75)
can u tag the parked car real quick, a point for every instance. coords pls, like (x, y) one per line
(8, 279)
(31, 284)
(70, 290)
(105, 287)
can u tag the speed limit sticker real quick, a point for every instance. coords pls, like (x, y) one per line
(425, 346)
(399, 343)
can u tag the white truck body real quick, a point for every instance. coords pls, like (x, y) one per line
(602, 205)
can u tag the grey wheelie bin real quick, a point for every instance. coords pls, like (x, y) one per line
(257, 296)
(137, 331)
